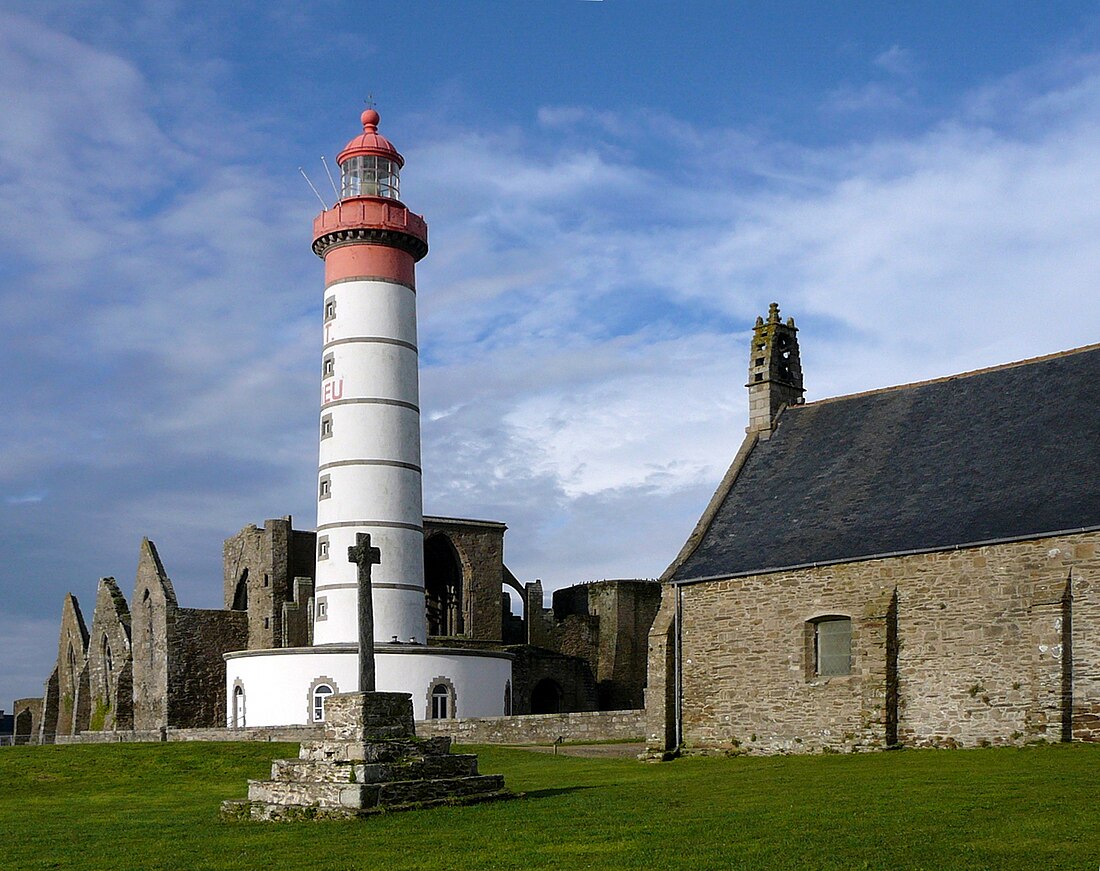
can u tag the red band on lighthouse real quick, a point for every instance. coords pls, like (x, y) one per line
(343, 262)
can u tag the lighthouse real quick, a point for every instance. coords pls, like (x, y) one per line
(368, 477)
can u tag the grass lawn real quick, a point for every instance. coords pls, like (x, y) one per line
(154, 806)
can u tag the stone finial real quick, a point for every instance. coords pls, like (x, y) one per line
(773, 313)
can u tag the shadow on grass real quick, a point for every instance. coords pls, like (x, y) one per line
(550, 793)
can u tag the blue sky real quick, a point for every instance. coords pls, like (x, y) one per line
(614, 190)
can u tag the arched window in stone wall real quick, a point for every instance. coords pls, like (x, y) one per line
(443, 586)
(108, 666)
(72, 665)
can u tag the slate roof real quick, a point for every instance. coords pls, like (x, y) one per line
(1000, 453)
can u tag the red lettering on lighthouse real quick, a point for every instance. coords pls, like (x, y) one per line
(332, 390)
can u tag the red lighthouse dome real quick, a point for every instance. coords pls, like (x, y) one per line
(369, 165)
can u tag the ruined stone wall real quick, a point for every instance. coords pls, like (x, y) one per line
(110, 669)
(259, 568)
(572, 675)
(196, 669)
(298, 615)
(152, 633)
(625, 610)
(538, 728)
(607, 624)
(978, 654)
(47, 730)
(480, 549)
(27, 714)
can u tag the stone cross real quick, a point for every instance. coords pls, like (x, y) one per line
(365, 556)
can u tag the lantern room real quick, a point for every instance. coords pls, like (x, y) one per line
(369, 165)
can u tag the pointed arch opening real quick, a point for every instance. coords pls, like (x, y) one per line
(443, 586)
(240, 594)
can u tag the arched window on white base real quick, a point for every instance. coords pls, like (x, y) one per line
(238, 719)
(320, 693)
(442, 699)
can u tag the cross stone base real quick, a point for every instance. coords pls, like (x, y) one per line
(369, 762)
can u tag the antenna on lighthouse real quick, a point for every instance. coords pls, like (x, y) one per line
(329, 173)
(324, 205)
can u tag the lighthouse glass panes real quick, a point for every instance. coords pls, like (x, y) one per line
(369, 176)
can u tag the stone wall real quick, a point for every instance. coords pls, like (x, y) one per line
(268, 733)
(982, 645)
(539, 728)
(27, 714)
(527, 729)
(196, 668)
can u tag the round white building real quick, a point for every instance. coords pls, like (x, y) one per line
(369, 475)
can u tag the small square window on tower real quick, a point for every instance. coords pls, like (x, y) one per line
(330, 309)
(322, 547)
(328, 366)
(326, 426)
(321, 611)
(324, 490)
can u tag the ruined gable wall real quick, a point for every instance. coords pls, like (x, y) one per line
(110, 677)
(72, 678)
(979, 650)
(196, 669)
(152, 628)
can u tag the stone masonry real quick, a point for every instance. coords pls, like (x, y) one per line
(109, 666)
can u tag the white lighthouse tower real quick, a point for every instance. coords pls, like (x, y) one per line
(369, 471)
(369, 476)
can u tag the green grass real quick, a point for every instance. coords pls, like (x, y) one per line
(155, 806)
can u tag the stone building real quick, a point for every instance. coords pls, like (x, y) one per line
(917, 565)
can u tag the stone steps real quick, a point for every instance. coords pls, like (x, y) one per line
(371, 795)
(414, 768)
(370, 762)
(390, 750)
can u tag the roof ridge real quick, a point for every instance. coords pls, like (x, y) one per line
(943, 378)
